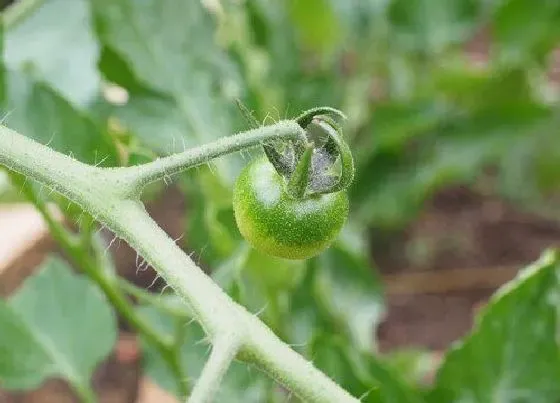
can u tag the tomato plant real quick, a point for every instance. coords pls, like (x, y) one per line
(136, 93)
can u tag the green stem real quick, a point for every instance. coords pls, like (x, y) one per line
(102, 193)
(178, 340)
(306, 117)
(272, 154)
(136, 177)
(224, 351)
(274, 313)
(147, 297)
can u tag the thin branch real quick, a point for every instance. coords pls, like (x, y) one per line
(208, 383)
(147, 297)
(136, 177)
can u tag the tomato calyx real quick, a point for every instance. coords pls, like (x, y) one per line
(320, 165)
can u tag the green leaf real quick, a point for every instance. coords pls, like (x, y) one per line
(8, 192)
(363, 375)
(523, 32)
(210, 234)
(290, 39)
(240, 384)
(181, 83)
(361, 18)
(432, 25)
(319, 31)
(331, 356)
(212, 231)
(37, 111)
(312, 333)
(413, 365)
(232, 275)
(501, 88)
(57, 325)
(24, 363)
(393, 182)
(305, 316)
(386, 385)
(512, 354)
(55, 43)
(349, 291)
(393, 124)
(272, 273)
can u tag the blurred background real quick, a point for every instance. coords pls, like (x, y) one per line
(452, 118)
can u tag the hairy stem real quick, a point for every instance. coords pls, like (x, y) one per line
(223, 352)
(136, 177)
(100, 192)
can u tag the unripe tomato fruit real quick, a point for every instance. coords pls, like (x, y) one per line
(274, 222)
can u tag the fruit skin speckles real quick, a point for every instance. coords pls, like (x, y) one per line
(277, 224)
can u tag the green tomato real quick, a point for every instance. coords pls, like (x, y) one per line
(275, 223)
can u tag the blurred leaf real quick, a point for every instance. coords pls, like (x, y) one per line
(484, 90)
(37, 111)
(316, 24)
(391, 186)
(181, 83)
(209, 235)
(331, 355)
(57, 325)
(414, 366)
(392, 124)
(523, 32)
(465, 144)
(305, 317)
(228, 274)
(212, 232)
(512, 354)
(360, 17)
(346, 287)
(60, 51)
(2, 65)
(8, 192)
(241, 383)
(248, 289)
(293, 66)
(274, 274)
(360, 373)
(273, 31)
(432, 25)
(313, 334)
(389, 189)
(386, 385)
(546, 168)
